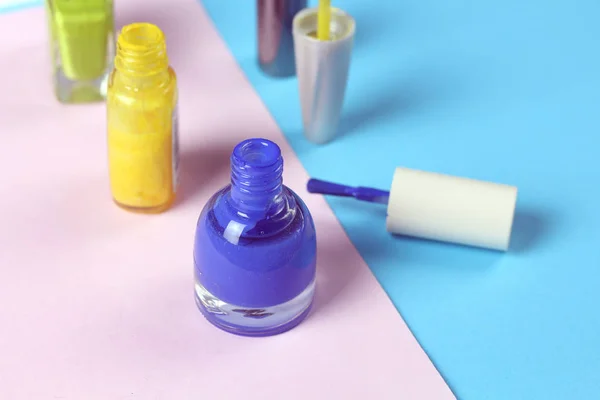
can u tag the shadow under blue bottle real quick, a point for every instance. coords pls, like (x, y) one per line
(255, 248)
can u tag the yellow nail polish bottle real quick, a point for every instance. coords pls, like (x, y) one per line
(82, 47)
(142, 122)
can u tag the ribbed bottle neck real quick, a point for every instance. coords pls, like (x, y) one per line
(256, 176)
(141, 51)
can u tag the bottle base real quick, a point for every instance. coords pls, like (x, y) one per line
(146, 210)
(275, 71)
(243, 321)
(80, 91)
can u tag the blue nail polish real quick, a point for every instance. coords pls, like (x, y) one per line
(370, 195)
(255, 248)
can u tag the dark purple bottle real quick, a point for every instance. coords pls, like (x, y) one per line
(275, 40)
(255, 248)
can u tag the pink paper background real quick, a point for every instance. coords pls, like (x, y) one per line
(97, 303)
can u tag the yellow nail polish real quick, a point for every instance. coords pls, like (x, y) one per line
(82, 47)
(142, 122)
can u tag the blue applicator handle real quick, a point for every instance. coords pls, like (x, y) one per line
(361, 193)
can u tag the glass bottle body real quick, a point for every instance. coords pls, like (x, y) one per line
(255, 267)
(82, 48)
(275, 40)
(142, 130)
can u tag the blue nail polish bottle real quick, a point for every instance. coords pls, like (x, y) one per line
(255, 248)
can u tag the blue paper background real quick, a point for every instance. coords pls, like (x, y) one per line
(500, 91)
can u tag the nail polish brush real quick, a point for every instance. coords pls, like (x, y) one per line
(361, 193)
(439, 207)
(324, 20)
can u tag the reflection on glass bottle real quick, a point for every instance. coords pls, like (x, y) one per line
(275, 41)
(82, 47)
